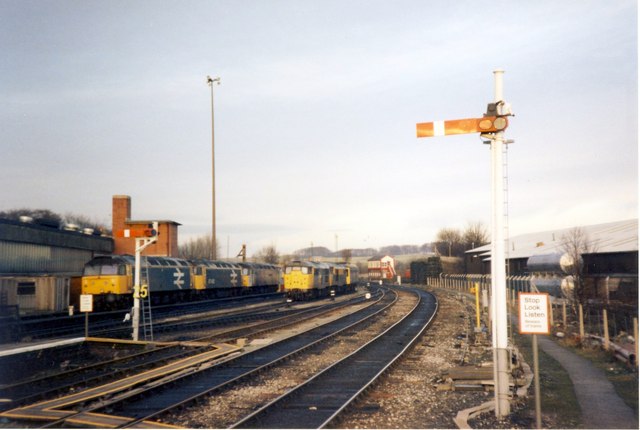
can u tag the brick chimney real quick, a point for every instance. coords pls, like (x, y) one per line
(121, 208)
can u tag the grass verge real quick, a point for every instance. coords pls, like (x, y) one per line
(558, 402)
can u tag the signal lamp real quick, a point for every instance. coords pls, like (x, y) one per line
(150, 232)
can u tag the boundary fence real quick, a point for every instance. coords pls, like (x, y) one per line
(613, 325)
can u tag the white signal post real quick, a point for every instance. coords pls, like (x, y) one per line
(144, 238)
(500, 337)
(491, 126)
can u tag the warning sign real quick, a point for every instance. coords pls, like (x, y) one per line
(534, 313)
(86, 302)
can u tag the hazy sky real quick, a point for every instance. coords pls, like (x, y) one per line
(315, 117)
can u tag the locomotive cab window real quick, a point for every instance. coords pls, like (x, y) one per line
(105, 269)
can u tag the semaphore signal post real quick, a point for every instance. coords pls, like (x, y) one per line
(144, 238)
(491, 126)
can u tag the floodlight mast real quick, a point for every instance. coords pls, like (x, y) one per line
(214, 251)
(491, 126)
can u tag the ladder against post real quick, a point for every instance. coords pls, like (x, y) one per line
(147, 319)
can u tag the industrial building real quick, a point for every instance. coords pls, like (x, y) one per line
(38, 261)
(609, 258)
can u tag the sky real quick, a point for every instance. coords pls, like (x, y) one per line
(315, 116)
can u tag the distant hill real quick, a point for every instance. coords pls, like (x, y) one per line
(393, 250)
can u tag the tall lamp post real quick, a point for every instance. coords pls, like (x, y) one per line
(210, 82)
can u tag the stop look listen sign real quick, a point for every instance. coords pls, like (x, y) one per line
(534, 313)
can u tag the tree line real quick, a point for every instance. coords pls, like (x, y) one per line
(449, 242)
(452, 242)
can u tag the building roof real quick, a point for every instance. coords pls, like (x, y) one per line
(23, 232)
(619, 236)
(379, 257)
(165, 221)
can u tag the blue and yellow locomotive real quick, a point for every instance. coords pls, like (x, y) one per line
(110, 279)
(309, 279)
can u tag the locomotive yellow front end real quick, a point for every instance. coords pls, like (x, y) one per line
(298, 279)
(107, 278)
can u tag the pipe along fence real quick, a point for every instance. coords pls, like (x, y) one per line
(614, 326)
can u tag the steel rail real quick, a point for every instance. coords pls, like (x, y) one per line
(235, 369)
(241, 369)
(319, 400)
(39, 388)
(62, 324)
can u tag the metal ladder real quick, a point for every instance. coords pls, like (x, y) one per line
(145, 305)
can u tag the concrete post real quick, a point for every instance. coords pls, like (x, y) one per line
(498, 269)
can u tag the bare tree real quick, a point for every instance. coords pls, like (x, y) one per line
(451, 238)
(575, 243)
(268, 254)
(475, 235)
(199, 247)
(346, 255)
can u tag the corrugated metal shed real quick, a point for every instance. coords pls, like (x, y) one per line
(613, 237)
(14, 231)
(32, 249)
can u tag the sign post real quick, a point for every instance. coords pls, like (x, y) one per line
(86, 306)
(534, 319)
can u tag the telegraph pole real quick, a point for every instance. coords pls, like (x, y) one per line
(491, 126)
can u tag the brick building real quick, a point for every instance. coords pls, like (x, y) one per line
(167, 244)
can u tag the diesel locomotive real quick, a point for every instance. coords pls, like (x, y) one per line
(168, 280)
(310, 280)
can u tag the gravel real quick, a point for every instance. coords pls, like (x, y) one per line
(406, 397)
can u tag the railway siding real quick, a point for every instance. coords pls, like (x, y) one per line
(320, 399)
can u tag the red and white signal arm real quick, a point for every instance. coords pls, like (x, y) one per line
(137, 232)
(533, 313)
(486, 124)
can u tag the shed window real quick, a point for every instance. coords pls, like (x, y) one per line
(26, 288)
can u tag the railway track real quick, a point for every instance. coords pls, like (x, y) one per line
(91, 375)
(111, 322)
(150, 398)
(319, 400)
